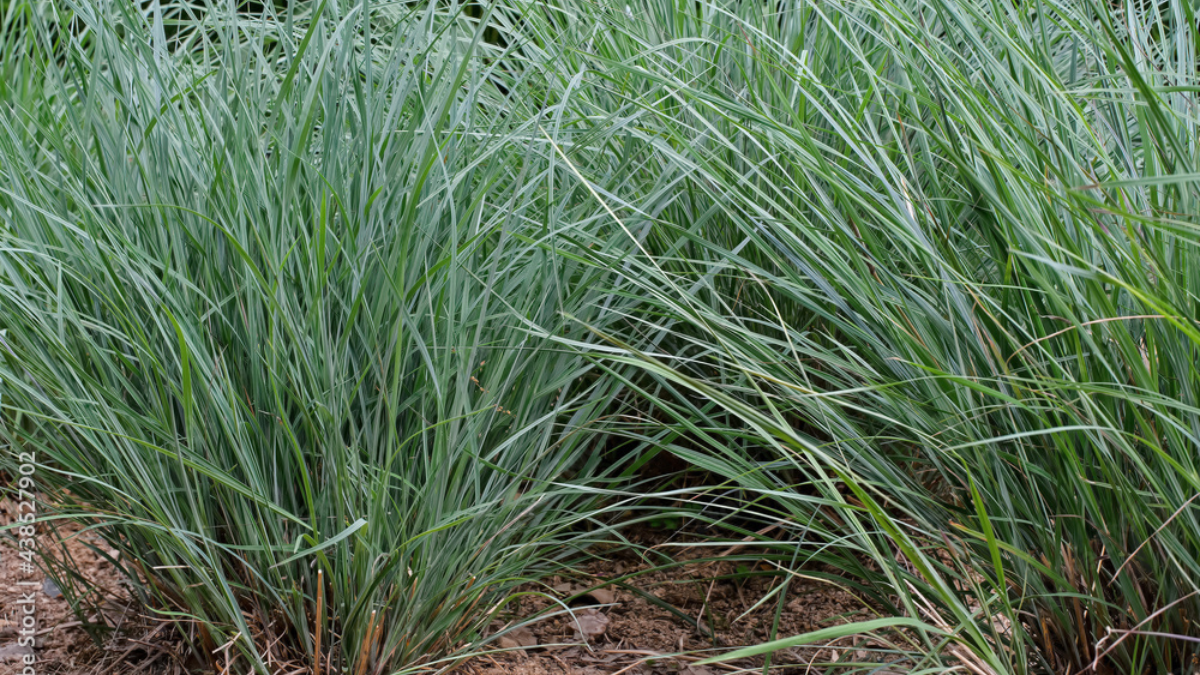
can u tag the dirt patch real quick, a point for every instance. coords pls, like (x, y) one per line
(57, 644)
(654, 621)
(62, 643)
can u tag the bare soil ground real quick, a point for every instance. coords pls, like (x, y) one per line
(641, 628)
(61, 645)
(640, 631)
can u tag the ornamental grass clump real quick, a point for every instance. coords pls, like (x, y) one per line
(928, 273)
(275, 293)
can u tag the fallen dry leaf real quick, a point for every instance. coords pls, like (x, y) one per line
(603, 596)
(518, 639)
(591, 623)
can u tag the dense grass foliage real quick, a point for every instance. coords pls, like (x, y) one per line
(271, 318)
(324, 314)
(937, 303)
